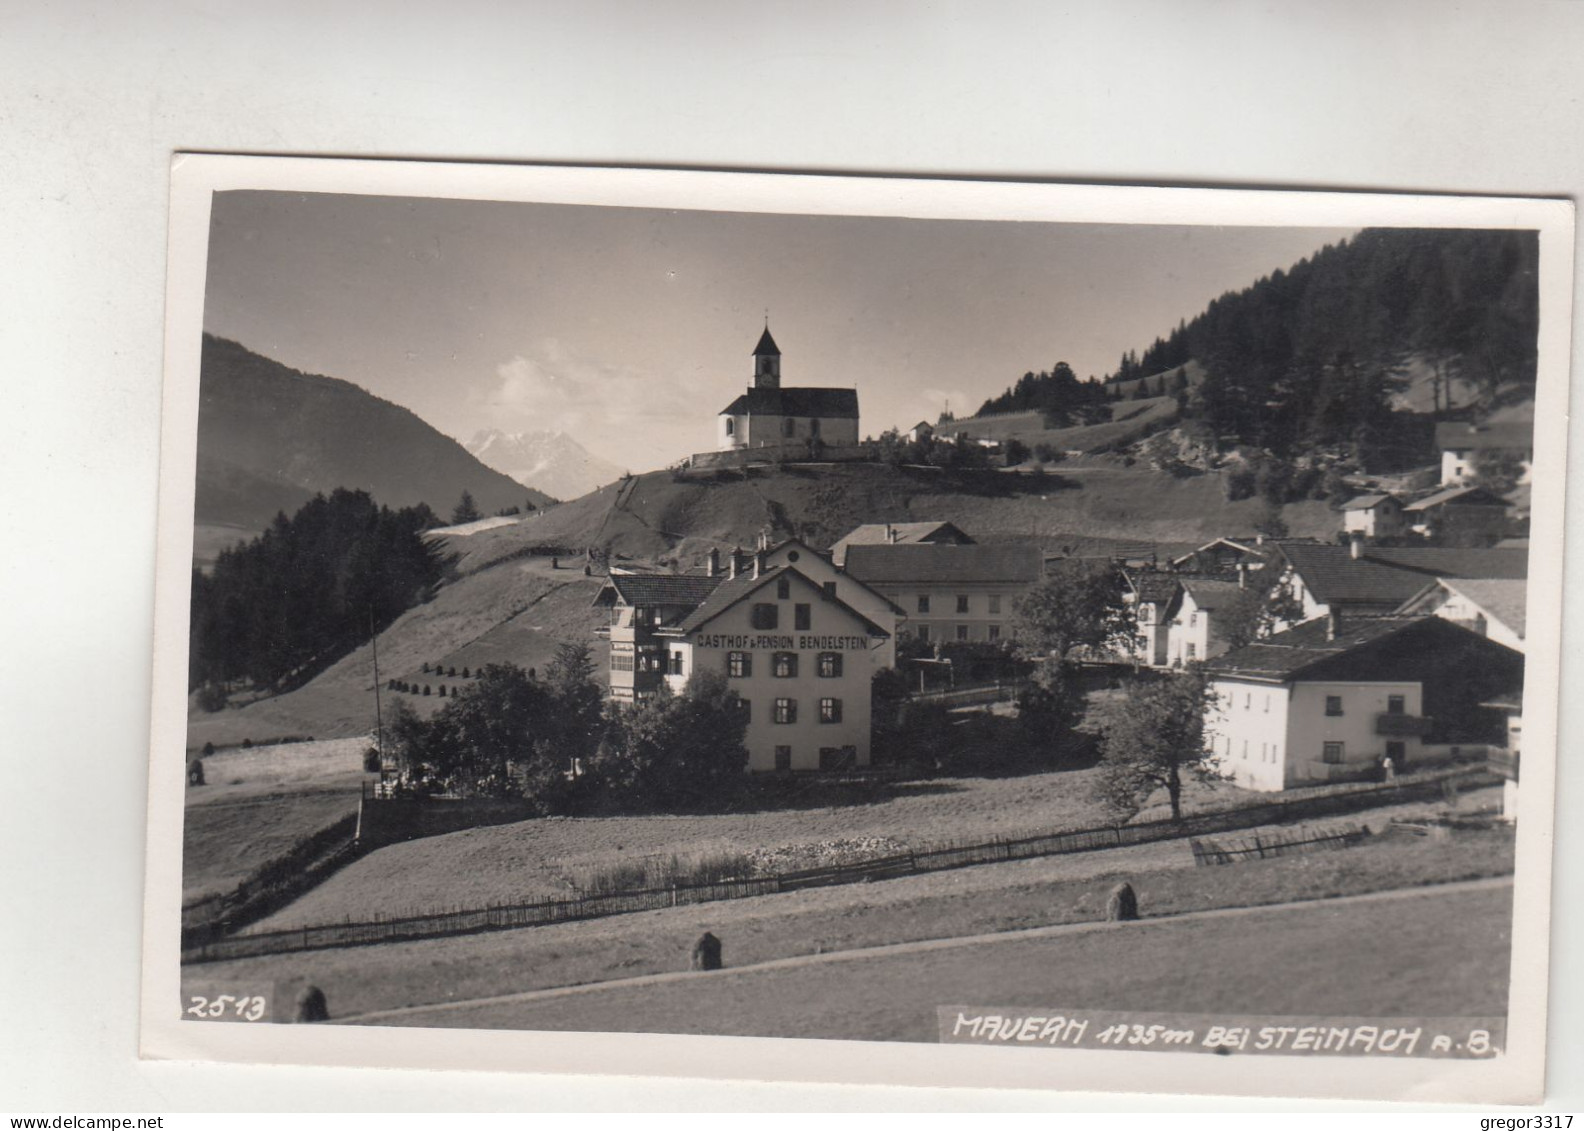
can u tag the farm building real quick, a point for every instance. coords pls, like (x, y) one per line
(800, 659)
(1376, 581)
(801, 417)
(1373, 516)
(1330, 700)
(1492, 607)
(949, 592)
(898, 534)
(1463, 514)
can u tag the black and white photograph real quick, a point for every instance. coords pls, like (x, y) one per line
(989, 631)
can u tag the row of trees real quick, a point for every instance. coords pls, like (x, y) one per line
(556, 743)
(282, 607)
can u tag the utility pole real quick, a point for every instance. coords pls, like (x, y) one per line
(379, 720)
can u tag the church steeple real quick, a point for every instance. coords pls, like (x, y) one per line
(767, 361)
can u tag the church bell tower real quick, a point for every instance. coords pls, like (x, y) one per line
(767, 362)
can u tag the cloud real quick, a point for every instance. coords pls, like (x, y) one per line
(629, 415)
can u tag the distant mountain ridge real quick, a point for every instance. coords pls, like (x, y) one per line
(552, 462)
(270, 437)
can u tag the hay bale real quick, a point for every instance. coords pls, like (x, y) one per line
(707, 952)
(311, 1006)
(1123, 904)
(195, 772)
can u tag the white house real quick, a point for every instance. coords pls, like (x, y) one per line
(950, 592)
(1154, 597)
(1373, 516)
(1462, 444)
(1330, 701)
(1197, 631)
(800, 418)
(1492, 607)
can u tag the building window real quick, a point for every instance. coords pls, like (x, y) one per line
(731, 426)
(1333, 704)
(923, 633)
(1193, 620)
(962, 603)
(621, 662)
(995, 632)
(830, 665)
(1332, 752)
(962, 632)
(1395, 705)
(785, 665)
(739, 665)
(830, 710)
(793, 555)
(789, 428)
(814, 426)
(676, 663)
(923, 604)
(838, 757)
(995, 605)
(1192, 650)
(1267, 704)
(786, 710)
(783, 588)
(830, 589)
(802, 617)
(1397, 751)
(764, 615)
(783, 758)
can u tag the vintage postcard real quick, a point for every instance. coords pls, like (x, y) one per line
(857, 630)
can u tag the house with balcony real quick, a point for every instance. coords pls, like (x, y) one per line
(1360, 581)
(1332, 700)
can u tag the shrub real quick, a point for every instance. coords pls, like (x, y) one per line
(311, 1006)
(195, 774)
(1123, 905)
(371, 761)
(211, 697)
(208, 749)
(707, 952)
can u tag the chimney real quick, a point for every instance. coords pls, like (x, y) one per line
(1242, 570)
(759, 563)
(714, 562)
(764, 540)
(1355, 545)
(890, 534)
(736, 561)
(1333, 623)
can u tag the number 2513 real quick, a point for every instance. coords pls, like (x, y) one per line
(245, 1008)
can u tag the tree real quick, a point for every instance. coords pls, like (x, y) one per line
(466, 510)
(674, 751)
(1156, 741)
(579, 710)
(1049, 708)
(1497, 471)
(1078, 604)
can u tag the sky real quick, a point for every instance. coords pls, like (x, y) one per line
(630, 329)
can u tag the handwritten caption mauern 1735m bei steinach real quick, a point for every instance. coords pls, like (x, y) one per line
(1474, 1038)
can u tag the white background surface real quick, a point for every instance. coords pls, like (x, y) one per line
(95, 98)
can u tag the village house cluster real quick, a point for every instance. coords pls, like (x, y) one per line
(1400, 644)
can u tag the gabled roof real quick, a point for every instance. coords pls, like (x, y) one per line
(902, 533)
(830, 404)
(766, 344)
(1209, 594)
(1452, 561)
(1515, 437)
(1151, 587)
(929, 563)
(1503, 600)
(1332, 574)
(1463, 495)
(650, 590)
(1374, 649)
(1368, 502)
(734, 590)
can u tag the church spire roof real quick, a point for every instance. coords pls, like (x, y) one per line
(766, 346)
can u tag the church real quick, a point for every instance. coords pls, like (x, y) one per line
(808, 419)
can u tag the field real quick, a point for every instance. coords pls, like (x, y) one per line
(1424, 954)
(258, 802)
(996, 898)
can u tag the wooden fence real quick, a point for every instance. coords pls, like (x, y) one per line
(1272, 844)
(933, 858)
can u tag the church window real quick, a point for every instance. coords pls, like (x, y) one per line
(731, 427)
